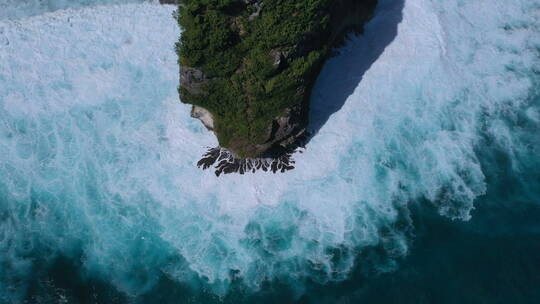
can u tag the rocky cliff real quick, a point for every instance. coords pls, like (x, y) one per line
(248, 66)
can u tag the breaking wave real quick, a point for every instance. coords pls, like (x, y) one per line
(97, 155)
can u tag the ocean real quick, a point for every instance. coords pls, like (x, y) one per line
(421, 183)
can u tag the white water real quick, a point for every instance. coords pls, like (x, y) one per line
(14, 9)
(97, 155)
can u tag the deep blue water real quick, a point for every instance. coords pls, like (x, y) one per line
(449, 263)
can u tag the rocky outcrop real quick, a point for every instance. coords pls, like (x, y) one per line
(204, 116)
(226, 162)
(281, 73)
(285, 130)
(192, 80)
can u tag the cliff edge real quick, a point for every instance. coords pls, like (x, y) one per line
(248, 66)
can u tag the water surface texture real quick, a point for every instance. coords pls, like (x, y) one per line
(422, 186)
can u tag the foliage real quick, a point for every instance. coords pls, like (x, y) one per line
(247, 88)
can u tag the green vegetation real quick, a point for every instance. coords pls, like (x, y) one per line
(258, 58)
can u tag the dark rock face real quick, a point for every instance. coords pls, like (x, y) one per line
(286, 129)
(192, 80)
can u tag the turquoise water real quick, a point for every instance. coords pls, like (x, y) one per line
(423, 186)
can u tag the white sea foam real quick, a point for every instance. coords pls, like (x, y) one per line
(97, 155)
(14, 9)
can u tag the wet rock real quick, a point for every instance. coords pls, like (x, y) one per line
(226, 162)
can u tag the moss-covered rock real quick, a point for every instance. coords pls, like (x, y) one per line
(252, 63)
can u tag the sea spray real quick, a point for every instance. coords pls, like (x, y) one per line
(98, 157)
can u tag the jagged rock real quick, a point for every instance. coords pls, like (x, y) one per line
(226, 162)
(192, 80)
(278, 57)
(285, 129)
(258, 8)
